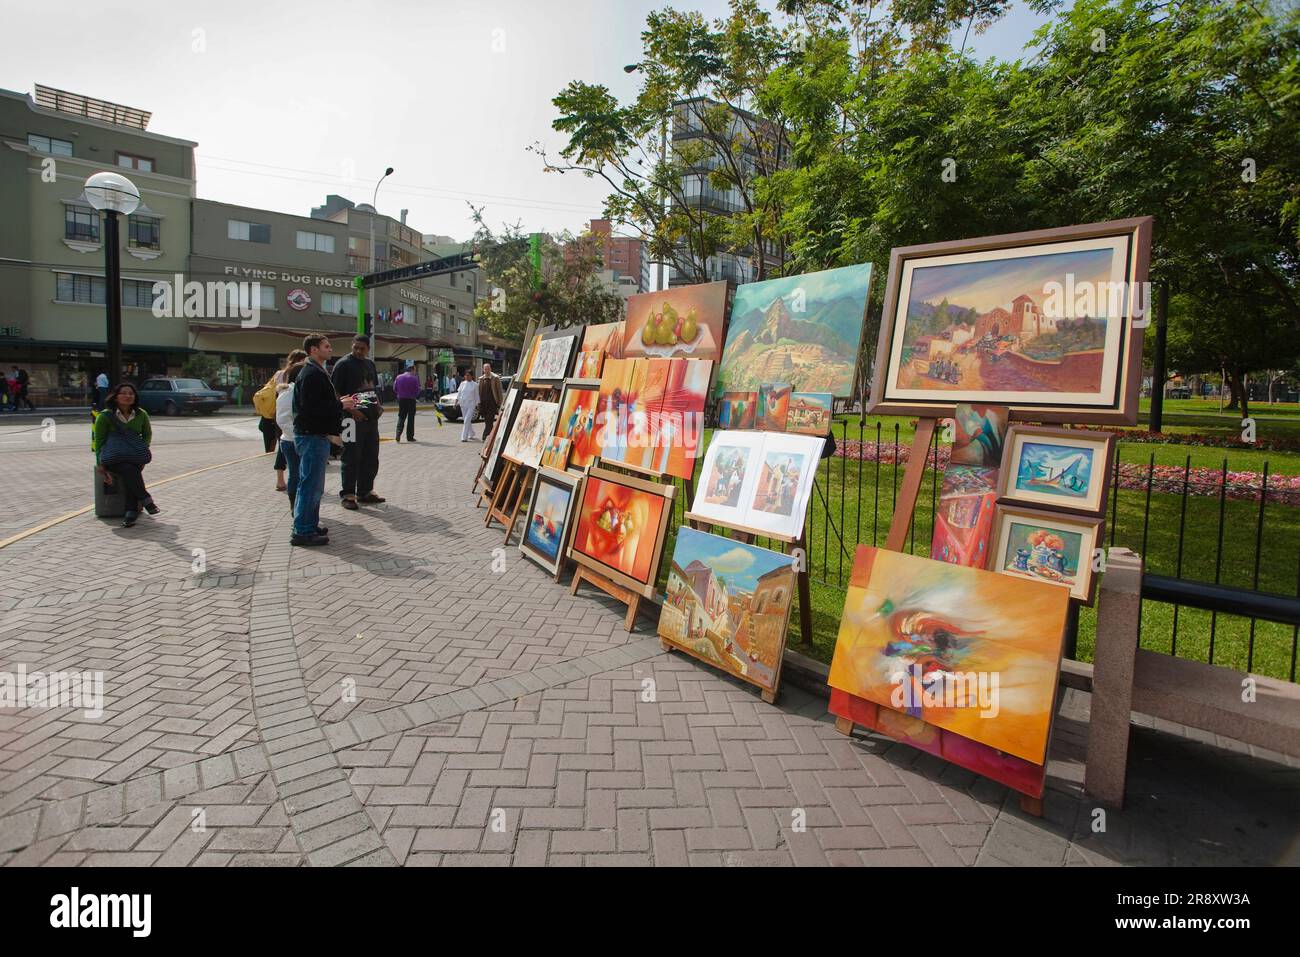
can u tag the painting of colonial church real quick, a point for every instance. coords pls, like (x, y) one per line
(802, 330)
(728, 603)
(1043, 322)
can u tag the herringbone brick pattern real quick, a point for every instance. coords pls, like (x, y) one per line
(239, 824)
(706, 773)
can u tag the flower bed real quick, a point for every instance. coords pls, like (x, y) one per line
(1203, 441)
(1282, 489)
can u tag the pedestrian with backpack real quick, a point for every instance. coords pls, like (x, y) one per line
(264, 401)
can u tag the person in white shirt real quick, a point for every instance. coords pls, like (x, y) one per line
(284, 419)
(101, 390)
(467, 399)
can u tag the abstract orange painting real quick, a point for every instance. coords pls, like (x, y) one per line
(621, 526)
(579, 404)
(954, 647)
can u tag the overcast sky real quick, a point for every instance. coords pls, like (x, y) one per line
(290, 100)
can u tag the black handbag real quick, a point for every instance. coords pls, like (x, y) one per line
(123, 447)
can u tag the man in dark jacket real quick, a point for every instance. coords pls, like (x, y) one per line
(353, 374)
(317, 422)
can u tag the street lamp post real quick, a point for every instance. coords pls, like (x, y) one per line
(374, 211)
(663, 161)
(114, 195)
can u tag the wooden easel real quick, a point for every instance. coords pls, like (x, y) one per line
(510, 491)
(627, 596)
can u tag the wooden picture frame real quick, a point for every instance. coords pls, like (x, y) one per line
(666, 492)
(559, 479)
(540, 412)
(1002, 540)
(501, 429)
(574, 334)
(1120, 362)
(683, 603)
(1102, 446)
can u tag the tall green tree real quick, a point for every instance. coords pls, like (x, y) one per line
(566, 292)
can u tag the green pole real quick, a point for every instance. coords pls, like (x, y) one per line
(361, 305)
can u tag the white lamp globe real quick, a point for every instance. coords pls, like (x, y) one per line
(112, 191)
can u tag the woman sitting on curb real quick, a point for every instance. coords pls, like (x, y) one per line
(123, 416)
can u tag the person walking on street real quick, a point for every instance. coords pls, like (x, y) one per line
(4, 392)
(101, 390)
(407, 387)
(317, 423)
(23, 380)
(489, 397)
(467, 399)
(122, 436)
(354, 374)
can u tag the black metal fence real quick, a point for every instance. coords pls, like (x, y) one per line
(1207, 528)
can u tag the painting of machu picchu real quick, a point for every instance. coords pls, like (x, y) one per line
(803, 330)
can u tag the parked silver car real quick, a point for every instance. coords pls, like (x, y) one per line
(449, 404)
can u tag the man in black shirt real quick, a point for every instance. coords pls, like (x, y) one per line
(317, 422)
(353, 374)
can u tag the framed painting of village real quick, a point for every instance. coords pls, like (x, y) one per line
(1048, 322)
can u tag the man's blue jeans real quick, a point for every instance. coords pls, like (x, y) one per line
(313, 453)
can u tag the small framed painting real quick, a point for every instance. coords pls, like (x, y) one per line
(810, 413)
(556, 453)
(737, 410)
(554, 358)
(1057, 468)
(579, 404)
(1046, 546)
(773, 406)
(550, 515)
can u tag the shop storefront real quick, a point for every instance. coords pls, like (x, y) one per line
(63, 374)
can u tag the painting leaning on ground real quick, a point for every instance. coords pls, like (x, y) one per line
(728, 603)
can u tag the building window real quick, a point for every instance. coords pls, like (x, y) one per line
(240, 297)
(74, 287)
(337, 304)
(144, 232)
(140, 163)
(435, 319)
(462, 326)
(316, 242)
(47, 144)
(248, 232)
(137, 293)
(80, 224)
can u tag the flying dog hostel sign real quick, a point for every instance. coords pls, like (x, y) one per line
(255, 274)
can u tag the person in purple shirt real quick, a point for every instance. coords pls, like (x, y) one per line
(407, 388)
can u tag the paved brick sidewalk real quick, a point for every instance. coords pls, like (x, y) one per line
(390, 699)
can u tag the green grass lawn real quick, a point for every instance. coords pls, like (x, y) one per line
(861, 506)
